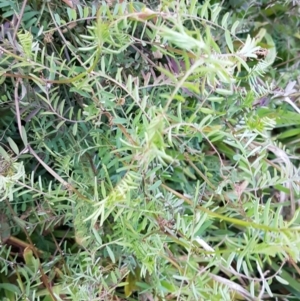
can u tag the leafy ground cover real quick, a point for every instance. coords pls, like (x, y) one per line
(149, 151)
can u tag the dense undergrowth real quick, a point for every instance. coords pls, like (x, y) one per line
(149, 151)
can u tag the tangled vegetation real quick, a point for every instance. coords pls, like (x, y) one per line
(149, 151)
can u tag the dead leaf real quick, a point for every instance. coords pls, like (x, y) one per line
(71, 3)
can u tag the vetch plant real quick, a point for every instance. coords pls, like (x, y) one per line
(155, 164)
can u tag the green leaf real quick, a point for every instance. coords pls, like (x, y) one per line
(283, 118)
(281, 280)
(24, 136)
(9, 289)
(3, 153)
(75, 128)
(13, 146)
(29, 15)
(229, 40)
(57, 19)
(289, 133)
(111, 254)
(132, 279)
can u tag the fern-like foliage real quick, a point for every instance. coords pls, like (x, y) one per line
(145, 157)
(26, 42)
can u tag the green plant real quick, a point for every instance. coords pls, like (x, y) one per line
(146, 165)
